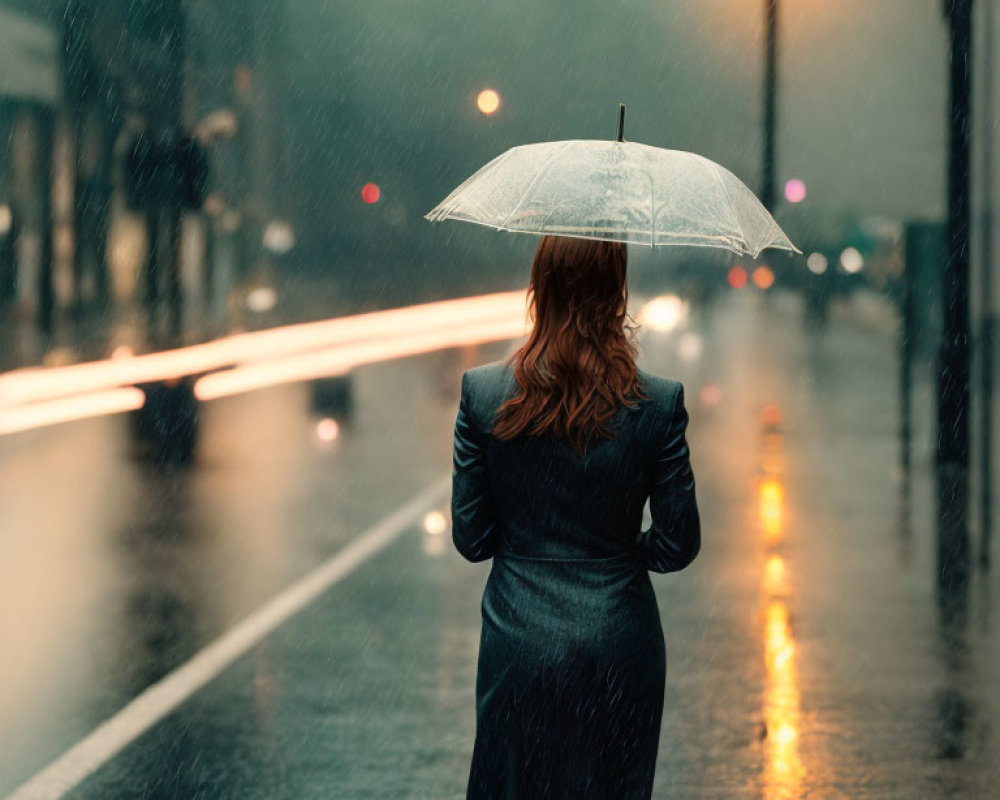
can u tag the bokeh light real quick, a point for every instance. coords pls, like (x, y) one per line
(370, 193)
(435, 522)
(279, 236)
(763, 277)
(737, 277)
(817, 263)
(327, 430)
(689, 346)
(710, 395)
(488, 101)
(851, 260)
(663, 313)
(795, 191)
(261, 299)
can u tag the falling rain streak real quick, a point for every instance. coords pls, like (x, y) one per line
(231, 344)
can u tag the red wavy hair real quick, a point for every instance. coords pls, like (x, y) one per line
(578, 366)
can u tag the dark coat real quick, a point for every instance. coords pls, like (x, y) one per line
(572, 664)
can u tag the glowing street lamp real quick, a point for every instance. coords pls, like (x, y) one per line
(488, 101)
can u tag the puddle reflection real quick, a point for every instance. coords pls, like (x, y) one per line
(783, 769)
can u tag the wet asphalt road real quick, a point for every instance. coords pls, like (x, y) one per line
(805, 658)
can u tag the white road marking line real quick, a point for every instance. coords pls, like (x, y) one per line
(158, 700)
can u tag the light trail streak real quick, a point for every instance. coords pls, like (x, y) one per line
(36, 384)
(67, 409)
(338, 360)
(495, 320)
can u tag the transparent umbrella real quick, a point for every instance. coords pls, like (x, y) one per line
(615, 190)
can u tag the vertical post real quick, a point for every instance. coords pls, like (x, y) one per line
(767, 193)
(173, 101)
(906, 347)
(986, 292)
(175, 297)
(152, 277)
(954, 353)
(44, 166)
(78, 85)
(8, 208)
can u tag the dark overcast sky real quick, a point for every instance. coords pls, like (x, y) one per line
(389, 83)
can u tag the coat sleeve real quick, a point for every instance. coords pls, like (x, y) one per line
(474, 528)
(674, 538)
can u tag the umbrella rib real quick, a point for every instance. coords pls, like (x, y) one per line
(652, 212)
(441, 211)
(736, 220)
(548, 161)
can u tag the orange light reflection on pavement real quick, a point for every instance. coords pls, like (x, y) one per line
(783, 769)
(772, 501)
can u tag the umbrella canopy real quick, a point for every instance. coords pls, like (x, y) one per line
(615, 190)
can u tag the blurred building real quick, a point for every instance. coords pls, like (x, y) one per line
(80, 82)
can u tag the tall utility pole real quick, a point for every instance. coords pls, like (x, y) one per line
(986, 292)
(767, 192)
(954, 354)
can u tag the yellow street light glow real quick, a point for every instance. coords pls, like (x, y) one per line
(488, 101)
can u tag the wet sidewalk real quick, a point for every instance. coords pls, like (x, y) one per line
(805, 656)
